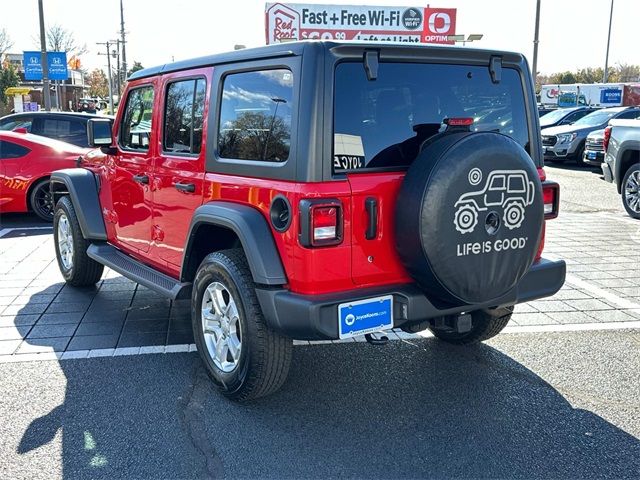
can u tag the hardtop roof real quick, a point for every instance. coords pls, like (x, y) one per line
(297, 48)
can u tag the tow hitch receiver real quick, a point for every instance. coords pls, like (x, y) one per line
(462, 323)
(374, 340)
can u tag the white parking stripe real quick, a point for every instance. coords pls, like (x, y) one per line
(7, 231)
(183, 348)
(602, 293)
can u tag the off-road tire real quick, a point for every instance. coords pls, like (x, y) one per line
(486, 324)
(84, 271)
(265, 355)
(41, 188)
(627, 207)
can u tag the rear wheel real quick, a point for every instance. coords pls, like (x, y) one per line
(243, 356)
(41, 200)
(77, 268)
(485, 324)
(631, 191)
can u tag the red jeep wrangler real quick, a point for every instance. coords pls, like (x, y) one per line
(318, 190)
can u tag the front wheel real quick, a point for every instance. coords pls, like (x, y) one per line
(77, 268)
(243, 356)
(631, 191)
(485, 324)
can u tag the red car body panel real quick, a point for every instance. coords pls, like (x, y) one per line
(18, 175)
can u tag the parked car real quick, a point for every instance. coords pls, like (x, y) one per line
(310, 190)
(622, 162)
(594, 149)
(87, 105)
(26, 162)
(63, 126)
(564, 116)
(568, 141)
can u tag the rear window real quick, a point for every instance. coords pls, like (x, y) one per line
(382, 123)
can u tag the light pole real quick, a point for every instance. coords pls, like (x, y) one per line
(124, 43)
(605, 75)
(43, 60)
(534, 71)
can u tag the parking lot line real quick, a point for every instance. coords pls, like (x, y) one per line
(602, 293)
(401, 336)
(7, 231)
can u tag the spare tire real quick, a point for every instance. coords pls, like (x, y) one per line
(469, 216)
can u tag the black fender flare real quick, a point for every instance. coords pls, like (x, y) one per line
(82, 185)
(254, 234)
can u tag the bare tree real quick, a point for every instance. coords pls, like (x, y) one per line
(59, 39)
(5, 41)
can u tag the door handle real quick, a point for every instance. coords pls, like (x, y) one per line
(144, 179)
(371, 206)
(185, 187)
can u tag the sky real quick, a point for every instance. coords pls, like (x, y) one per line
(573, 33)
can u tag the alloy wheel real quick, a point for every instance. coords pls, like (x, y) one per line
(632, 191)
(65, 242)
(221, 327)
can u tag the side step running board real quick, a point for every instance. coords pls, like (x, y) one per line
(138, 272)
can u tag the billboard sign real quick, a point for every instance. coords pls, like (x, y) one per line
(611, 96)
(293, 21)
(57, 65)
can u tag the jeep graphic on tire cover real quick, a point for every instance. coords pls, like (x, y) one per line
(509, 191)
(469, 217)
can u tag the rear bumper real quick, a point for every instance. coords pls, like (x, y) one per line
(315, 317)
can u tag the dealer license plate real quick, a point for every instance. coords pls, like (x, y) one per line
(365, 316)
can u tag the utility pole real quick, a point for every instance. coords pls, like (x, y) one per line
(535, 44)
(108, 44)
(123, 41)
(43, 59)
(605, 75)
(116, 53)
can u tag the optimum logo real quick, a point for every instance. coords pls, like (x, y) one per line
(505, 191)
(439, 23)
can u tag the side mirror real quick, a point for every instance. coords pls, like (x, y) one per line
(99, 132)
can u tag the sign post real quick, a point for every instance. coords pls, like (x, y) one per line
(294, 21)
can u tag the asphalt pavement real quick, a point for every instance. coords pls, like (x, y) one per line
(554, 405)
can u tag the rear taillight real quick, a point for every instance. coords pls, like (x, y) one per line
(320, 222)
(606, 138)
(551, 197)
(551, 201)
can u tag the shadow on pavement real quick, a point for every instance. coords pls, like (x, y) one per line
(406, 410)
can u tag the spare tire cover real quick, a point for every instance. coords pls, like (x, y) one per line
(469, 216)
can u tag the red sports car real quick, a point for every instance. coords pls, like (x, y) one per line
(26, 161)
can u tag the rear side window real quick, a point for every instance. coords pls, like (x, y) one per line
(630, 115)
(70, 131)
(13, 123)
(255, 116)
(183, 116)
(382, 123)
(135, 130)
(12, 150)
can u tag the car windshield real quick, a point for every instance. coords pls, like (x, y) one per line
(595, 118)
(382, 123)
(554, 116)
